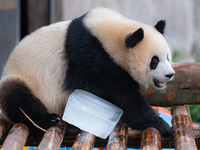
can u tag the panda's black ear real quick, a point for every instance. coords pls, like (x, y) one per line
(160, 26)
(134, 38)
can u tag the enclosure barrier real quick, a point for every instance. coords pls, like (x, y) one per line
(183, 90)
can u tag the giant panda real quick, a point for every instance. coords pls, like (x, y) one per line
(101, 52)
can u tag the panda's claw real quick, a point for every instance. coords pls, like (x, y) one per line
(48, 120)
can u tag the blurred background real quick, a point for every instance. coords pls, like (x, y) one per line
(21, 17)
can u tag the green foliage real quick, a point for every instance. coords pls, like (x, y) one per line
(197, 59)
(168, 108)
(176, 56)
(194, 110)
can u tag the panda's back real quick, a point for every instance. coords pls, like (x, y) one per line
(40, 61)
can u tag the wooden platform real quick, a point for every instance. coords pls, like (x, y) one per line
(184, 89)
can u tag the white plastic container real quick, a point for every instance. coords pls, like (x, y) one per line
(91, 113)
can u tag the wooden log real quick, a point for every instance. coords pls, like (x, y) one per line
(182, 128)
(53, 137)
(118, 138)
(84, 141)
(134, 139)
(184, 89)
(150, 139)
(16, 138)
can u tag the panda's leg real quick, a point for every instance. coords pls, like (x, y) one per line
(139, 115)
(14, 94)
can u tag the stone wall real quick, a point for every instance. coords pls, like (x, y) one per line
(182, 17)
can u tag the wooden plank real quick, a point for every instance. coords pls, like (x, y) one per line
(118, 138)
(84, 141)
(16, 138)
(182, 128)
(184, 89)
(53, 137)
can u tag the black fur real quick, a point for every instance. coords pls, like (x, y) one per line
(90, 68)
(154, 62)
(134, 38)
(160, 26)
(14, 94)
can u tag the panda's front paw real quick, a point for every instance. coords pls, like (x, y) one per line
(44, 121)
(164, 128)
(48, 120)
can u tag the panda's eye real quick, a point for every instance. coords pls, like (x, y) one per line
(167, 57)
(154, 62)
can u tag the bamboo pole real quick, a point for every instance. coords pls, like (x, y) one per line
(118, 138)
(84, 141)
(53, 137)
(150, 139)
(182, 128)
(16, 138)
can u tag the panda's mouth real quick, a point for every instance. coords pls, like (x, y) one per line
(159, 84)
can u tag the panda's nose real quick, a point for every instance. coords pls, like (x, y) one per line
(169, 75)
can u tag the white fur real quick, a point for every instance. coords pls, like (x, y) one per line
(111, 29)
(39, 61)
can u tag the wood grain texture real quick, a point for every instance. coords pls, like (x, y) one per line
(150, 139)
(53, 137)
(118, 138)
(84, 141)
(182, 128)
(16, 138)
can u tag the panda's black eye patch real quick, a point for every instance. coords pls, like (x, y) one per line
(154, 62)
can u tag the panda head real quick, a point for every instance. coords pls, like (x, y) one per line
(138, 48)
(150, 57)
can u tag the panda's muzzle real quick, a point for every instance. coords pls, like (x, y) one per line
(159, 84)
